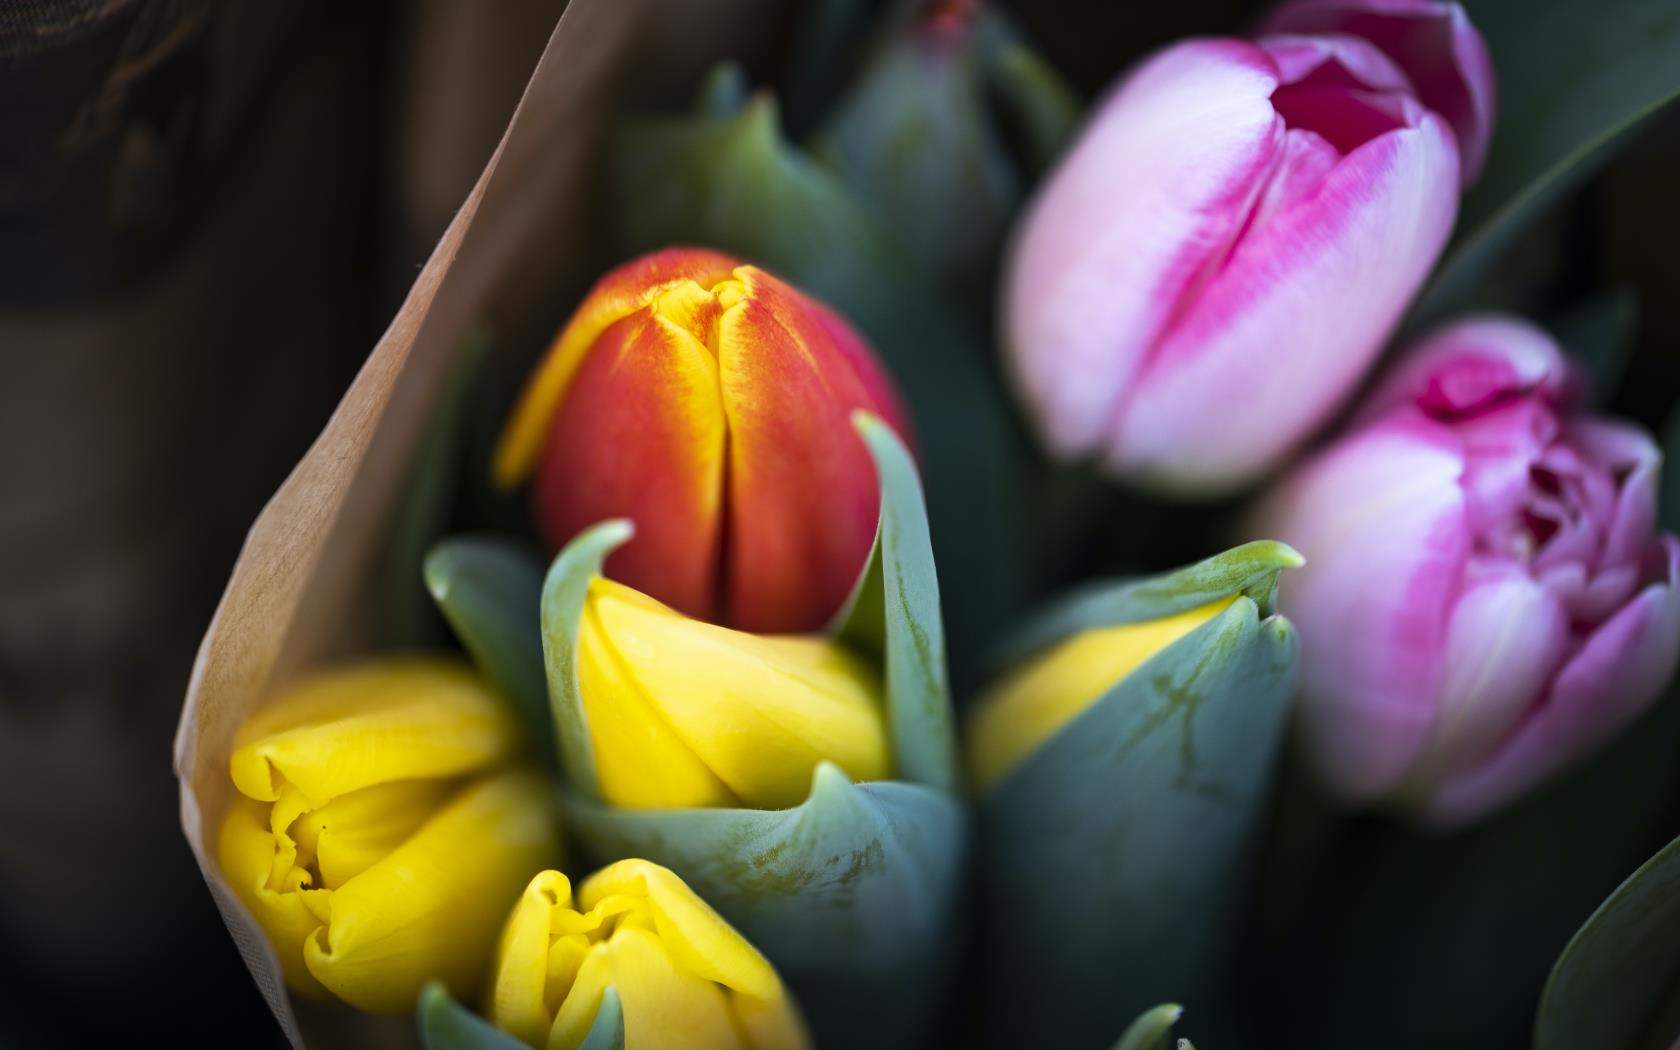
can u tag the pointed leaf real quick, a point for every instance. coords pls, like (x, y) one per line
(1576, 80)
(1251, 569)
(1607, 990)
(1041, 106)
(1152, 1029)
(563, 593)
(445, 1024)
(919, 717)
(490, 592)
(850, 894)
(607, 1033)
(1124, 836)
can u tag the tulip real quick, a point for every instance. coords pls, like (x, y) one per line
(685, 713)
(1486, 598)
(710, 403)
(684, 977)
(360, 792)
(1442, 54)
(923, 136)
(1034, 702)
(1222, 253)
(1121, 772)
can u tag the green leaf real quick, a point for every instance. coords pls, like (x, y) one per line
(919, 718)
(1124, 837)
(1039, 105)
(563, 593)
(1598, 332)
(490, 592)
(445, 1024)
(429, 494)
(1152, 1029)
(1251, 569)
(850, 894)
(735, 183)
(1576, 80)
(1609, 986)
(1668, 491)
(607, 1030)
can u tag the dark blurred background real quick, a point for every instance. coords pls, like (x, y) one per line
(208, 213)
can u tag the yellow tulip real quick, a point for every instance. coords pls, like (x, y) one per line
(1033, 702)
(684, 713)
(380, 835)
(684, 976)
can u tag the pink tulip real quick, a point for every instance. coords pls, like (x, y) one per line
(1486, 598)
(1441, 52)
(1219, 258)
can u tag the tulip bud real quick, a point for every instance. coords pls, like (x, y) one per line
(1433, 42)
(709, 403)
(921, 135)
(1486, 598)
(1221, 255)
(362, 790)
(1121, 773)
(1033, 702)
(685, 713)
(683, 976)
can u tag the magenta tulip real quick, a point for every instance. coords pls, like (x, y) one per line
(1434, 43)
(1486, 598)
(1219, 258)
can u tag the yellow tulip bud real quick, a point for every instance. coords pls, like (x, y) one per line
(684, 713)
(380, 836)
(1031, 703)
(684, 976)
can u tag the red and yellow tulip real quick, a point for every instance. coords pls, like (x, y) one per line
(710, 403)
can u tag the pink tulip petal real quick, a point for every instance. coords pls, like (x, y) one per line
(1441, 52)
(1471, 364)
(1162, 177)
(1626, 451)
(1380, 520)
(1328, 277)
(1505, 640)
(1614, 676)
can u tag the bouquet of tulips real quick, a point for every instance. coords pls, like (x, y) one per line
(902, 556)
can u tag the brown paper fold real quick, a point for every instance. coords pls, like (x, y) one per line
(299, 593)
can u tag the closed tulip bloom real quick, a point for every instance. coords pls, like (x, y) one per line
(709, 403)
(1442, 54)
(1221, 255)
(1486, 598)
(684, 977)
(363, 793)
(685, 713)
(1034, 702)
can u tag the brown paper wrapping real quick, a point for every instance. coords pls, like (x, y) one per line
(299, 593)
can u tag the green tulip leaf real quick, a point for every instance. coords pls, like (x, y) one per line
(734, 182)
(563, 594)
(490, 592)
(606, 1032)
(1152, 1029)
(905, 628)
(1251, 569)
(1598, 333)
(428, 497)
(445, 1024)
(1576, 80)
(851, 894)
(1124, 837)
(1038, 104)
(1609, 988)
(1668, 491)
